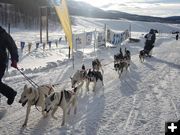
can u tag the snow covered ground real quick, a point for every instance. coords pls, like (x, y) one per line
(138, 103)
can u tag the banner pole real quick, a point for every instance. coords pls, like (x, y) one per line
(95, 41)
(105, 27)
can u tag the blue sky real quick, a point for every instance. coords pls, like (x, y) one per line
(160, 8)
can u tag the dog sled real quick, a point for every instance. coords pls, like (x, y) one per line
(147, 52)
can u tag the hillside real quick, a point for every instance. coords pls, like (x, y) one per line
(77, 9)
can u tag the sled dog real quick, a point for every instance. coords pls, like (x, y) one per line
(93, 76)
(65, 100)
(142, 55)
(96, 65)
(122, 62)
(78, 78)
(34, 96)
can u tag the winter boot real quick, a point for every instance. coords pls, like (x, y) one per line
(11, 99)
(8, 92)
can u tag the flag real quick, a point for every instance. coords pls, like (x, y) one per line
(37, 45)
(63, 14)
(22, 45)
(29, 47)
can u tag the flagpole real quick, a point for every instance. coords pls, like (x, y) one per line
(73, 58)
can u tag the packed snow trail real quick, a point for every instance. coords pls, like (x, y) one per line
(136, 104)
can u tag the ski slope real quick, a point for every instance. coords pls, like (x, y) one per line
(138, 103)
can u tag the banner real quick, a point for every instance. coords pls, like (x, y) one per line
(126, 34)
(79, 40)
(116, 38)
(100, 39)
(62, 12)
(88, 38)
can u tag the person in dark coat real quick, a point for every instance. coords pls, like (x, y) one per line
(7, 43)
(150, 39)
(177, 36)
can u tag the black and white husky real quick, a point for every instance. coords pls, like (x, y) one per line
(88, 76)
(65, 100)
(93, 76)
(96, 65)
(122, 62)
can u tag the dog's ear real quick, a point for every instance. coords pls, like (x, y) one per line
(30, 90)
(52, 97)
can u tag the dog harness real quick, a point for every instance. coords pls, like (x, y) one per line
(36, 100)
(60, 98)
(50, 89)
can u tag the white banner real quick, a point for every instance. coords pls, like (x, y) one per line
(89, 38)
(100, 39)
(116, 38)
(79, 40)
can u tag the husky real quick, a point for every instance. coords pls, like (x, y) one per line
(64, 99)
(35, 96)
(127, 58)
(142, 55)
(120, 66)
(127, 54)
(93, 76)
(122, 62)
(78, 77)
(96, 65)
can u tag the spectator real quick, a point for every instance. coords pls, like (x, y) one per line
(177, 36)
(7, 43)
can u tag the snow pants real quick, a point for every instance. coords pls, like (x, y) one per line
(5, 89)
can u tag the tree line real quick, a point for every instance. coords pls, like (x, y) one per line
(23, 12)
